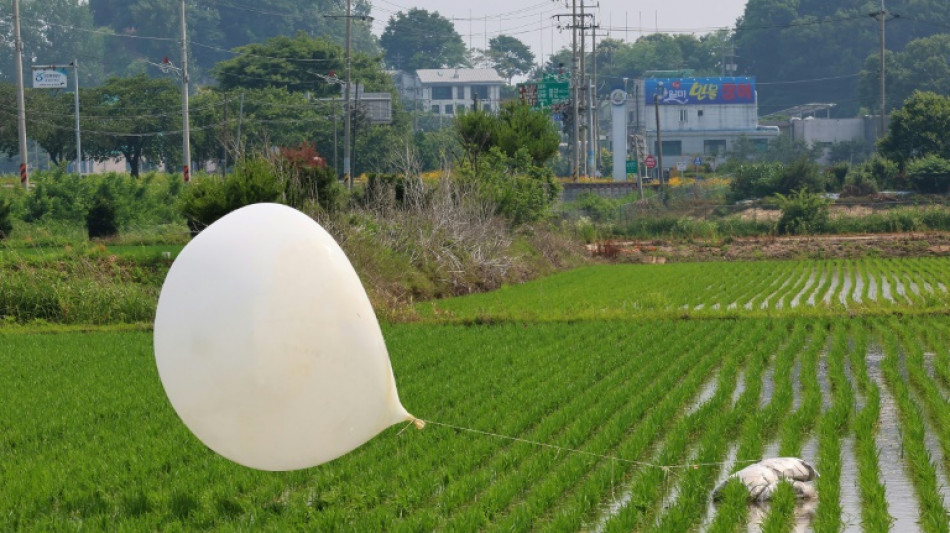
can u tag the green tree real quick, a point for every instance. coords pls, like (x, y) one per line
(419, 39)
(137, 117)
(918, 129)
(291, 63)
(53, 32)
(523, 128)
(509, 56)
(802, 213)
(924, 65)
(930, 174)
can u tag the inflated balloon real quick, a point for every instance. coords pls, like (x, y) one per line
(267, 345)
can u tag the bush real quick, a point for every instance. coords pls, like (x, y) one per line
(802, 213)
(930, 174)
(307, 178)
(754, 180)
(6, 225)
(209, 198)
(521, 191)
(101, 220)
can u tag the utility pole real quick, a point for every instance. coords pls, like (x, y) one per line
(881, 16)
(78, 134)
(347, 118)
(20, 101)
(575, 85)
(659, 146)
(586, 91)
(185, 130)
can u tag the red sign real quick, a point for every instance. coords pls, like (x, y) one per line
(650, 161)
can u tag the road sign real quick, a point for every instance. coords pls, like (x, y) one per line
(681, 166)
(631, 166)
(50, 77)
(552, 92)
(650, 161)
(698, 161)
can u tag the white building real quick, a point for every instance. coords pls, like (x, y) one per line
(447, 91)
(700, 118)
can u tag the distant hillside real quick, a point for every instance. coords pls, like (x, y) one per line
(805, 51)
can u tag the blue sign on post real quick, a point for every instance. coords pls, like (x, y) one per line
(698, 161)
(709, 91)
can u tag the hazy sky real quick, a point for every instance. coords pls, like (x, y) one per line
(531, 20)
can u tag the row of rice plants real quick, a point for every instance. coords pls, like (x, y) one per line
(524, 467)
(602, 482)
(833, 426)
(648, 486)
(696, 484)
(733, 511)
(625, 429)
(928, 393)
(874, 509)
(777, 288)
(933, 514)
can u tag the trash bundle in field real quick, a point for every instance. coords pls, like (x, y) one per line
(762, 479)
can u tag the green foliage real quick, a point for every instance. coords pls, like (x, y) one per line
(125, 116)
(6, 224)
(521, 191)
(918, 129)
(101, 219)
(209, 198)
(803, 213)
(419, 39)
(802, 174)
(920, 66)
(930, 174)
(516, 128)
(509, 56)
(307, 178)
(754, 180)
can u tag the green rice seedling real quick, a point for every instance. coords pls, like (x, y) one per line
(874, 511)
(781, 513)
(932, 511)
(801, 422)
(834, 423)
(733, 509)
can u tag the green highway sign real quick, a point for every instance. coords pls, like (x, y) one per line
(631, 167)
(549, 91)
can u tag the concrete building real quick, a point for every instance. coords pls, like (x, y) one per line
(699, 117)
(448, 91)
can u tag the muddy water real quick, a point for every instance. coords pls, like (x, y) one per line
(937, 459)
(796, 385)
(900, 289)
(850, 497)
(845, 290)
(872, 289)
(901, 502)
(886, 289)
(808, 284)
(831, 290)
(707, 392)
(740, 387)
(858, 287)
(811, 299)
(728, 466)
(768, 386)
(765, 302)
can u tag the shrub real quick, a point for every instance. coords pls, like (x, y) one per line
(101, 220)
(930, 174)
(6, 225)
(307, 177)
(802, 213)
(210, 198)
(754, 180)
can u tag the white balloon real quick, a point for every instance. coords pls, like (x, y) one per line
(267, 345)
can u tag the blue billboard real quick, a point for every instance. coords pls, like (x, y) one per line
(698, 91)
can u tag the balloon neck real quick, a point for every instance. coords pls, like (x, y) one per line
(418, 422)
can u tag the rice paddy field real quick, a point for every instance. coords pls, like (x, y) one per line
(610, 398)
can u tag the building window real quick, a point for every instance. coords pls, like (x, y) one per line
(699, 113)
(714, 147)
(480, 91)
(441, 93)
(460, 93)
(761, 145)
(670, 147)
(684, 115)
(435, 109)
(460, 108)
(448, 109)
